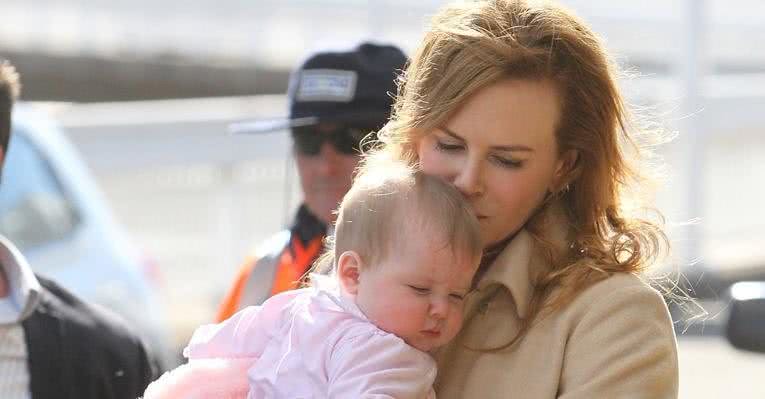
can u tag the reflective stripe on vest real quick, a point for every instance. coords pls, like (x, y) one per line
(260, 282)
(278, 269)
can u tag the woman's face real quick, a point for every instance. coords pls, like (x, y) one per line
(499, 150)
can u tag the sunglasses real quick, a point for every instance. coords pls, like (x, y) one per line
(345, 139)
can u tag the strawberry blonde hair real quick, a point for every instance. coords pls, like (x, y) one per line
(472, 45)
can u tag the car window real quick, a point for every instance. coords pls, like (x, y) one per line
(34, 209)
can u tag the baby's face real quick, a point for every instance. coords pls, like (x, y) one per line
(417, 293)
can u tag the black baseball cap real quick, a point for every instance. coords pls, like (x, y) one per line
(354, 87)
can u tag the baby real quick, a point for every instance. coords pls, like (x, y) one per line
(405, 250)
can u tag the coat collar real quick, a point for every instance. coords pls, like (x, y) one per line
(24, 289)
(519, 263)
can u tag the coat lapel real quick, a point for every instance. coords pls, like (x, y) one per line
(43, 335)
(518, 265)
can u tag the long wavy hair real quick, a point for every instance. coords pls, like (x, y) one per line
(470, 46)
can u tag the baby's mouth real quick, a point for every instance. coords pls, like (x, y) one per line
(432, 332)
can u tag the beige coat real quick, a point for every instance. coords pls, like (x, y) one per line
(614, 340)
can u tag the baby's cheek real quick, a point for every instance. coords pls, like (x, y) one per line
(399, 319)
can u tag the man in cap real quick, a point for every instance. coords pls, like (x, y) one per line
(336, 98)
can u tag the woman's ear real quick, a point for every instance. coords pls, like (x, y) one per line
(566, 171)
(349, 271)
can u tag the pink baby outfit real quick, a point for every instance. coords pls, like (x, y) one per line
(313, 343)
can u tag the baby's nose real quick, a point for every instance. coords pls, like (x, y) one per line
(439, 308)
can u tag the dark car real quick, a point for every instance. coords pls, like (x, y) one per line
(746, 321)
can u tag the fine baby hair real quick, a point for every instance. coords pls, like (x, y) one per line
(389, 203)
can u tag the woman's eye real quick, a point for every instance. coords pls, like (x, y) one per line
(457, 297)
(420, 290)
(444, 146)
(507, 162)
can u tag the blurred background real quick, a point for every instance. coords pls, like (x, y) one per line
(145, 176)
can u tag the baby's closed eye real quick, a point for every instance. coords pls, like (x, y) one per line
(420, 290)
(457, 297)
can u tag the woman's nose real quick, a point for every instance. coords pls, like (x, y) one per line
(468, 179)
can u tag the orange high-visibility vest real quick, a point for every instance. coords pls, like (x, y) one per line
(277, 267)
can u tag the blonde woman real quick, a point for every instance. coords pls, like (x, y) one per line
(515, 104)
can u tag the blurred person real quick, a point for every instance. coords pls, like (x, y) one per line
(52, 345)
(399, 231)
(516, 104)
(336, 98)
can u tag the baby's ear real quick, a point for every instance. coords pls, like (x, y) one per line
(348, 271)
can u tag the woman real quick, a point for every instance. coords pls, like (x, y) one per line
(517, 106)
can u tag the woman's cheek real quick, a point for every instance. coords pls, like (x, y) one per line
(426, 155)
(437, 163)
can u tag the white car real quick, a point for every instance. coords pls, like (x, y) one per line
(52, 210)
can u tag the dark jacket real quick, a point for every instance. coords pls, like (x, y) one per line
(77, 350)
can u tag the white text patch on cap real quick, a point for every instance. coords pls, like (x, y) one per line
(326, 85)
